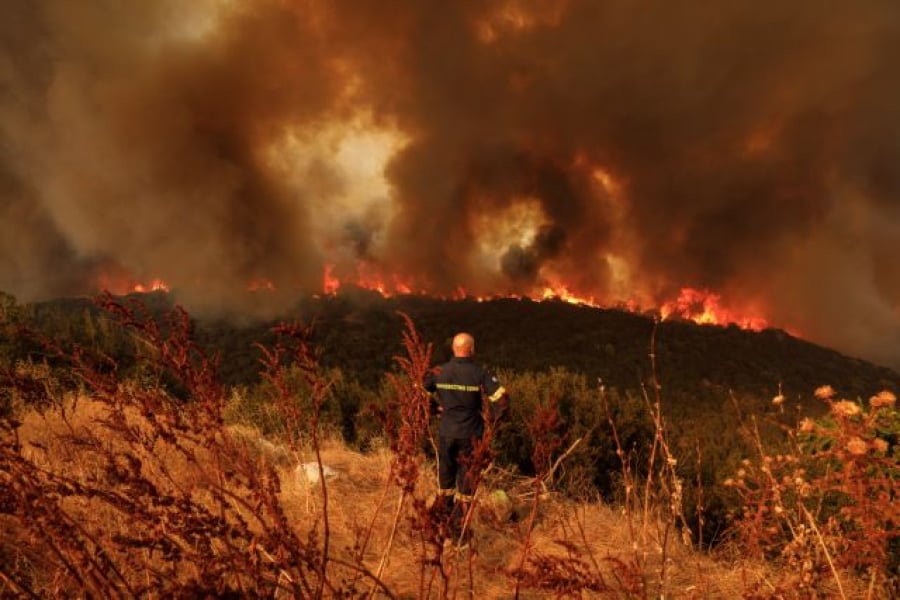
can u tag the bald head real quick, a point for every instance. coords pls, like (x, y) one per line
(463, 345)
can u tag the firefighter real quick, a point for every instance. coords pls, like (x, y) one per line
(461, 386)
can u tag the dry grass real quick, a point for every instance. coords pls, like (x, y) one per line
(595, 531)
(594, 535)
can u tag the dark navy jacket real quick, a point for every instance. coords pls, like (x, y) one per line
(460, 386)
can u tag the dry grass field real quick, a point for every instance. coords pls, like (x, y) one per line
(587, 549)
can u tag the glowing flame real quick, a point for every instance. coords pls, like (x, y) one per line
(701, 306)
(156, 285)
(698, 305)
(121, 284)
(371, 279)
(330, 283)
(705, 307)
(368, 278)
(561, 292)
(261, 285)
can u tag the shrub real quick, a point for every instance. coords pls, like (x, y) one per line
(594, 465)
(829, 505)
(165, 499)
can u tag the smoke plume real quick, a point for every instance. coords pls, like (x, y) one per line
(622, 150)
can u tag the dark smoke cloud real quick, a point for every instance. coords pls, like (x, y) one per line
(523, 263)
(749, 148)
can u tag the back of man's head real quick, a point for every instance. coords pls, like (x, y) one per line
(463, 345)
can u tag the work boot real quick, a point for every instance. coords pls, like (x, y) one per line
(462, 540)
(442, 516)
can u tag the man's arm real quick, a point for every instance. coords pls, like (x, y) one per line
(497, 396)
(500, 406)
(429, 382)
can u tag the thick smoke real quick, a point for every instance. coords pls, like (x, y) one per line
(622, 149)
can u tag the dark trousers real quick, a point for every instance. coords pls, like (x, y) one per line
(453, 472)
(456, 478)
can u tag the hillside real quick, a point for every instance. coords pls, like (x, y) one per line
(359, 332)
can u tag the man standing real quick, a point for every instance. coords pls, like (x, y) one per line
(461, 386)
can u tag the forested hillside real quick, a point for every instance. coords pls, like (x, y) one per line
(359, 331)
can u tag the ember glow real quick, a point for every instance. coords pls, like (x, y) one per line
(705, 307)
(121, 284)
(729, 166)
(156, 285)
(700, 306)
(261, 285)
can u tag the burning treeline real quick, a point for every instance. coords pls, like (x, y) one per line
(614, 150)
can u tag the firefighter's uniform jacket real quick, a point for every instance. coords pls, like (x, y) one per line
(460, 385)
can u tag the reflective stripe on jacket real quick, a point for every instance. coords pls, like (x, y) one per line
(460, 387)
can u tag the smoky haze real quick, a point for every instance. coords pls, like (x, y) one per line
(623, 149)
